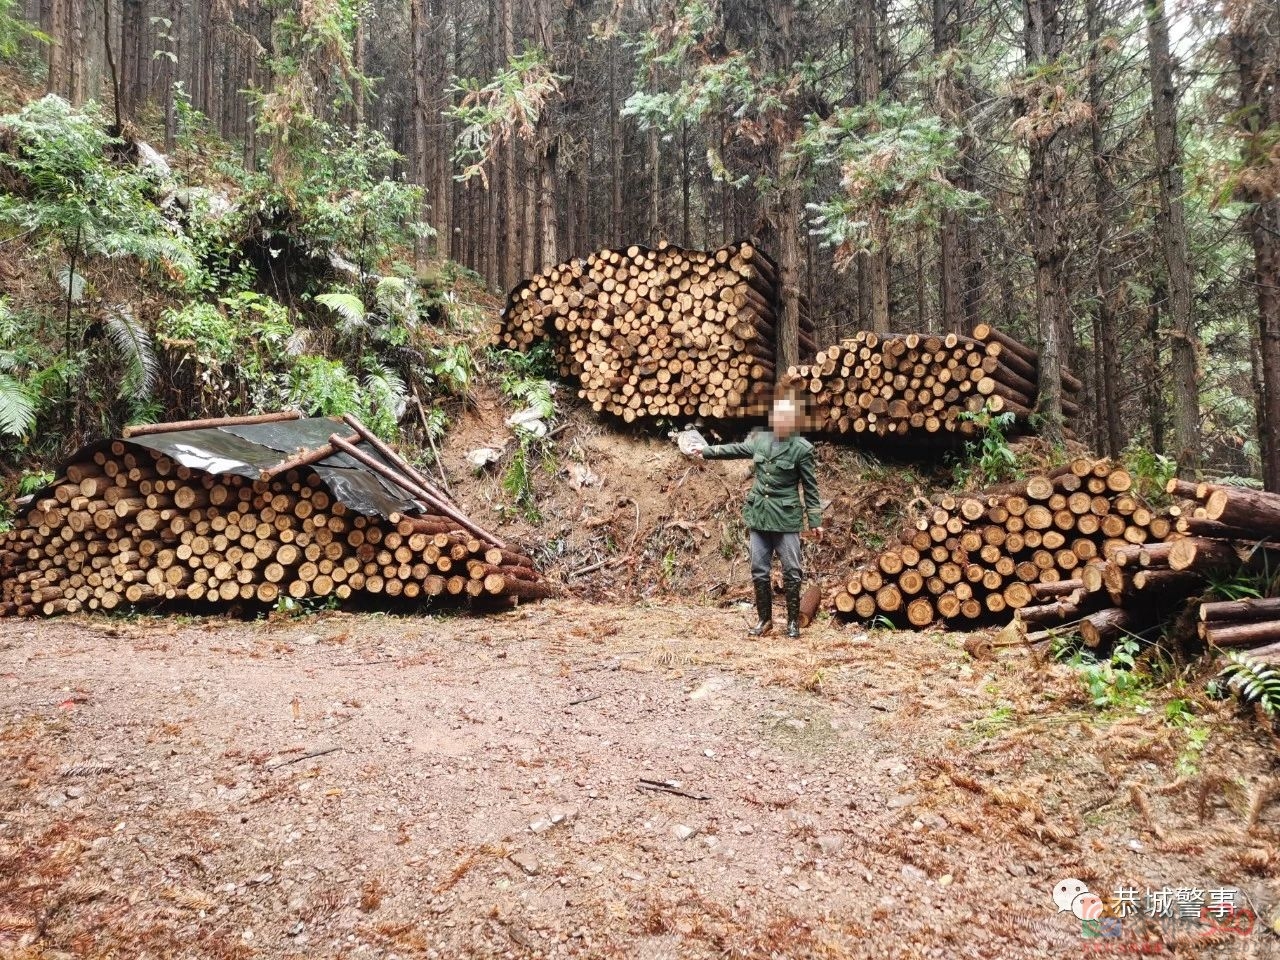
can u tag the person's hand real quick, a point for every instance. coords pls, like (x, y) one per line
(697, 454)
(817, 534)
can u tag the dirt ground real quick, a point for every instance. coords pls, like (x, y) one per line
(370, 786)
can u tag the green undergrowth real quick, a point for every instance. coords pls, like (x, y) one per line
(214, 289)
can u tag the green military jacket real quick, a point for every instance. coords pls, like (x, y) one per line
(782, 468)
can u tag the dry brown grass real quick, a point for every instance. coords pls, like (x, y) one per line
(471, 859)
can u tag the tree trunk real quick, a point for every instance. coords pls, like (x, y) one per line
(1255, 47)
(1154, 374)
(421, 100)
(206, 78)
(548, 210)
(950, 269)
(1263, 224)
(653, 209)
(476, 241)
(790, 207)
(959, 269)
(789, 203)
(1173, 234)
(1045, 186)
(111, 62)
(357, 56)
(169, 76)
(511, 235)
(529, 240)
(686, 239)
(551, 121)
(76, 54)
(57, 31)
(615, 149)
(1105, 341)
(440, 186)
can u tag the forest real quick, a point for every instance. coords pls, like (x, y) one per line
(1097, 177)
(366, 367)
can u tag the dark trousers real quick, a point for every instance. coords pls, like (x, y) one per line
(764, 544)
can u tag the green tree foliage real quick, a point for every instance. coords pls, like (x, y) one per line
(14, 30)
(74, 203)
(313, 70)
(502, 109)
(278, 286)
(344, 199)
(73, 199)
(690, 74)
(893, 161)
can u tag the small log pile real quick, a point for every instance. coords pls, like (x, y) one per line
(131, 527)
(1030, 547)
(922, 384)
(1227, 529)
(653, 333)
(1252, 626)
(1217, 532)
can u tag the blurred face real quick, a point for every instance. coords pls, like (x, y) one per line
(783, 420)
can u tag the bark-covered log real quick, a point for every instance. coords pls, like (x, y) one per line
(1241, 634)
(1105, 626)
(1253, 510)
(1247, 609)
(1197, 553)
(147, 429)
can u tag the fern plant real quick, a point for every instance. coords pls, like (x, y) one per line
(532, 393)
(133, 343)
(385, 398)
(17, 402)
(1254, 680)
(77, 204)
(349, 309)
(517, 479)
(1151, 470)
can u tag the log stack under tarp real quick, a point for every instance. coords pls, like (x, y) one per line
(660, 332)
(966, 559)
(923, 384)
(232, 512)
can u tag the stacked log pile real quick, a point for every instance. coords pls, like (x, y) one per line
(1037, 544)
(922, 384)
(1216, 533)
(129, 526)
(1251, 626)
(652, 333)
(1224, 531)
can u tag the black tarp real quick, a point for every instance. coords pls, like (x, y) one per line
(248, 449)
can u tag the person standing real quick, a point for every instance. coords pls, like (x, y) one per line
(774, 515)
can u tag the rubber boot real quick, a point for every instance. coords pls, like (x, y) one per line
(764, 608)
(793, 608)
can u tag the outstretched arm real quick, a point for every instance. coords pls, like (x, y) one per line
(727, 451)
